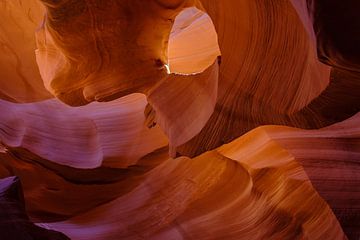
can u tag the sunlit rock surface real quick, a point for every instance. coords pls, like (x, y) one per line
(181, 119)
(270, 72)
(19, 75)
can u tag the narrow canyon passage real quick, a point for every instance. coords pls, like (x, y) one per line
(179, 119)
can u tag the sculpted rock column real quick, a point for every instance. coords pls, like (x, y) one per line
(96, 50)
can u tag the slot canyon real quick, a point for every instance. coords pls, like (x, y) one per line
(179, 119)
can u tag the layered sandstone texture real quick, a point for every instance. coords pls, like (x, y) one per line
(179, 119)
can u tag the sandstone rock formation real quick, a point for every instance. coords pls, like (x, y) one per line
(19, 76)
(86, 137)
(180, 119)
(14, 223)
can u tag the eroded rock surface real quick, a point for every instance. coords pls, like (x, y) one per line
(122, 121)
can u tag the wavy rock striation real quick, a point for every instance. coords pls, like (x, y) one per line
(153, 135)
(19, 76)
(252, 188)
(262, 185)
(270, 72)
(110, 133)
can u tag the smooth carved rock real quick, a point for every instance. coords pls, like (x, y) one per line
(251, 188)
(121, 49)
(331, 159)
(183, 104)
(111, 134)
(193, 44)
(272, 165)
(267, 160)
(270, 72)
(20, 80)
(55, 192)
(96, 50)
(103, 171)
(337, 34)
(14, 223)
